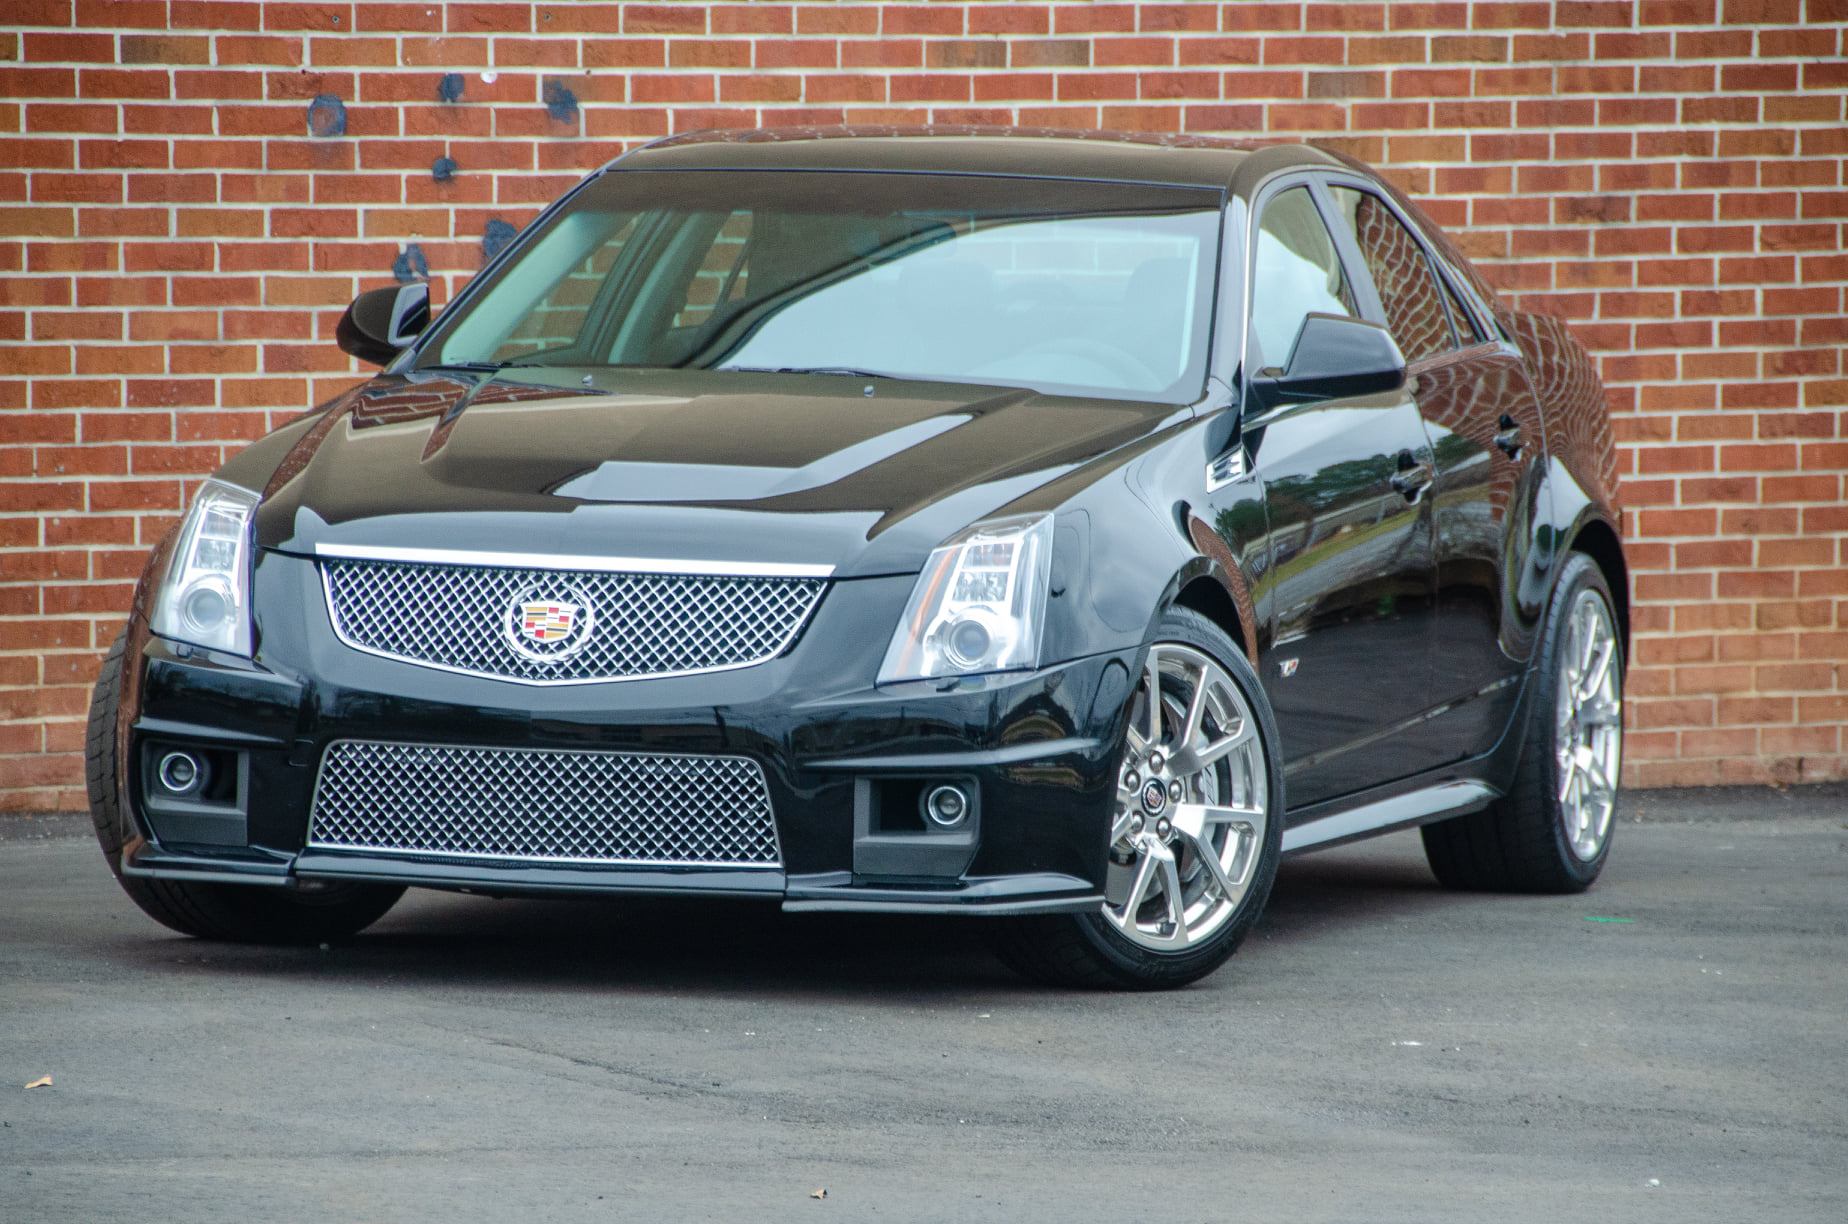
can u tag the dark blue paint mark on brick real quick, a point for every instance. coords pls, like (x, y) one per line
(450, 88)
(443, 169)
(410, 265)
(326, 116)
(494, 238)
(560, 103)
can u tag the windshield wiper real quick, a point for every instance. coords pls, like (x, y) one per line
(484, 367)
(845, 371)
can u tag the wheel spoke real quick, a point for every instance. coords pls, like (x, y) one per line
(1229, 813)
(1203, 847)
(1602, 784)
(1593, 783)
(1592, 682)
(1587, 636)
(1151, 676)
(1196, 712)
(1177, 903)
(1193, 760)
(1125, 821)
(1600, 712)
(1139, 885)
(1194, 821)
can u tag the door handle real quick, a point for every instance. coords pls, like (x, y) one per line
(1413, 477)
(1508, 437)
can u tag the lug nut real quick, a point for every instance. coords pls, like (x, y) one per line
(1131, 781)
(1163, 827)
(1156, 761)
(1136, 825)
(1174, 791)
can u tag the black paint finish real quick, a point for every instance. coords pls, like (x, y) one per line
(1391, 616)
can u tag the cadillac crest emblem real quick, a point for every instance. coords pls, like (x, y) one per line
(547, 626)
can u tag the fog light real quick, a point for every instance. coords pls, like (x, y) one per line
(180, 773)
(946, 806)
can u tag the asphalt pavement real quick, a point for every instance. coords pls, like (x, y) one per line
(1671, 1046)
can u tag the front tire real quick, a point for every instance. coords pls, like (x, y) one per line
(1197, 831)
(237, 913)
(1552, 832)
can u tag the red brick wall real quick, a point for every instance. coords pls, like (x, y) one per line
(175, 247)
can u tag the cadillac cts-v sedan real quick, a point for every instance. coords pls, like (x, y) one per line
(1055, 530)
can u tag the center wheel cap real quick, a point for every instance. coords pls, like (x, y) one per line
(1154, 797)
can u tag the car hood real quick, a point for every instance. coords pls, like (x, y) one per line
(866, 476)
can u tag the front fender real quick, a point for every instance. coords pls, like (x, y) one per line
(1147, 536)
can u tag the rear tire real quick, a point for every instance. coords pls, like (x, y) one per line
(1552, 832)
(1239, 792)
(239, 913)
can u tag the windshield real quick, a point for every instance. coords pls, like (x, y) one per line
(1067, 287)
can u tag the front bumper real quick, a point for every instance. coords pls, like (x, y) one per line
(1037, 751)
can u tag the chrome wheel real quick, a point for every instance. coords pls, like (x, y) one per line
(1192, 804)
(1589, 745)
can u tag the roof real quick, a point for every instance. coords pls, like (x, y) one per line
(1188, 160)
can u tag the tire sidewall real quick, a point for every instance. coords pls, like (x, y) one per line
(1581, 574)
(1136, 963)
(107, 818)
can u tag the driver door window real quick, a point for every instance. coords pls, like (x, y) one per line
(1294, 273)
(1408, 291)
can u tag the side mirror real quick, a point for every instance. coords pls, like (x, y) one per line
(381, 322)
(1336, 356)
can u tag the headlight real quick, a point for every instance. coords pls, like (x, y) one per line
(979, 605)
(205, 597)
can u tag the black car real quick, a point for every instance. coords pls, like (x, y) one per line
(1055, 529)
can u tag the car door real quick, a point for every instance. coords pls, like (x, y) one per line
(1483, 422)
(1349, 587)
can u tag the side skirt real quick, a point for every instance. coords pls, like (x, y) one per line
(1439, 801)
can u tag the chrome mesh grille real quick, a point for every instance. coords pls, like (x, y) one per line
(632, 625)
(541, 805)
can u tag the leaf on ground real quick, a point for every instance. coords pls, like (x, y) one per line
(43, 1081)
(819, 1192)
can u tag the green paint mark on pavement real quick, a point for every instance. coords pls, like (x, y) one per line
(1602, 918)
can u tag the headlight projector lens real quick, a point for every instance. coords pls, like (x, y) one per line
(969, 642)
(206, 610)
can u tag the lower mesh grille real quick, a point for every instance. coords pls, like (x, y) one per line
(542, 805)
